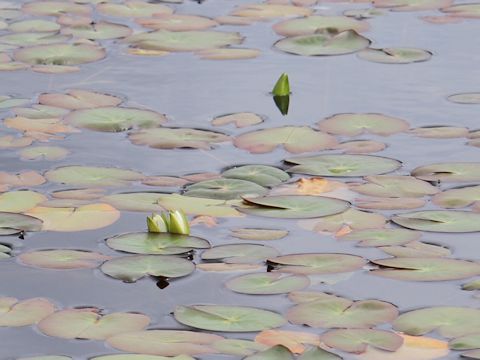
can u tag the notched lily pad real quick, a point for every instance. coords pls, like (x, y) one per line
(14, 313)
(261, 174)
(395, 55)
(355, 124)
(381, 237)
(240, 253)
(258, 234)
(13, 223)
(74, 99)
(267, 283)
(449, 172)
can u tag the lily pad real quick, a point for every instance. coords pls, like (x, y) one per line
(466, 342)
(177, 22)
(412, 5)
(473, 354)
(135, 267)
(395, 186)
(89, 323)
(240, 253)
(114, 119)
(224, 189)
(440, 132)
(294, 341)
(258, 234)
(465, 98)
(133, 8)
(14, 313)
(25, 178)
(140, 357)
(261, 174)
(55, 8)
(240, 120)
(13, 223)
(101, 30)
(238, 347)
(381, 237)
(442, 221)
(156, 243)
(355, 124)
(318, 353)
(49, 153)
(167, 138)
(227, 318)
(62, 259)
(5, 252)
(59, 54)
(416, 249)
(74, 100)
(267, 283)
(92, 176)
(343, 165)
(8, 102)
(395, 55)
(277, 352)
(357, 340)
(458, 198)
(315, 24)
(361, 146)
(270, 11)
(20, 201)
(293, 139)
(35, 25)
(469, 11)
(449, 172)
(322, 44)
(293, 206)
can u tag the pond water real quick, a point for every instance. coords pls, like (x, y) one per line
(191, 92)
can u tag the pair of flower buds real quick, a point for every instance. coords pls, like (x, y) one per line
(174, 222)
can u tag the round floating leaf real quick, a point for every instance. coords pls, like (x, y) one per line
(135, 267)
(165, 342)
(20, 201)
(336, 312)
(292, 340)
(458, 198)
(426, 269)
(25, 178)
(395, 186)
(46, 357)
(184, 40)
(293, 139)
(62, 259)
(240, 120)
(114, 119)
(177, 22)
(49, 153)
(441, 221)
(267, 283)
(224, 189)
(238, 347)
(315, 24)
(448, 321)
(357, 340)
(78, 194)
(54, 8)
(101, 30)
(469, 11)
(466, 342)
(363, 13)
(449, 172)
(140, 357)
(440, 132)
(156, 243)
(224, 267)
(361, 147)
(381, 237)
(465, 98)
(166, 138)
(413, 5)
(133, 8)
(15, 313)
(355, 124)
(55, 69)
(92, 176)
(395, 55)
(390, 203)
(12, 223)
(326, 43)
(8, 102)
(317, 263)
(277, 352)
(294, 206)
(32, 38)
(77, 99)
(473, 354)
(36, 25)
(259, 234)
(39, 111)
(416, 249)
(59, 54)
(261, 174)
(227, 318)
(88, 323)
(239, 253)
(269, 11)
(318, 353)
(85, 217)
(343, 165)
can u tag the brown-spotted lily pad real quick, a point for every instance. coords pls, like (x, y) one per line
(15, 313)
(395, 55)
(62, 259)
(315, 24)
(167, 138)
(59, 54)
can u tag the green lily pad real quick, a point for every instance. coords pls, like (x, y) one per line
(224, 189)
(267, 283)
(467, 342)
(240, 253)
(392, 186)
(135, 267)
(441, 221)
(35, 25)
(449, 172)
(277, 352)
(62, 259)
(183, 40)
(49, 153)
(458, 198)
(14, 313)
(425, 269)
(238, 347)
(13, 223)
(101, 30)
(322, 44)
(114, 119)
(294, 139)
(92, 176)
(447, 321)
(89, 323)
(133, 8)
(381, 237)
(469, 11)
(361, 14)
(259, 234)
(59, 54)
(337, 312)
(55, 8)
(156, 243)
(350, 219)
(227, 318)
(465, 98)
(261, 174)
(293, 206)
(318, 353)
(343, 165)
(416, 249)
(165, 342)
(32, 38)
(355, 124)
(316, 263)
(167, 138)
(54, 103)
(395, 55)
(315, 24)
(20, 201)
(177, 22)
(357, 340)
(440, 132)
(39, 111)
(8, 102)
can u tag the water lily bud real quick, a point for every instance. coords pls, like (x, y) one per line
(282, 87)
(179, 223)
(156, 224)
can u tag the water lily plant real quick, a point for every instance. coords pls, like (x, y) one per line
(175, 222)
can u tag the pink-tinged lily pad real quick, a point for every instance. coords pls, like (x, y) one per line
(240, 253)
(238, 347)
(381, 237)
(416, 249)
(224, 189)
(356, 124)
(315, 24)
(76, 99)
(184, 40)
(447, 321)
(79, 194)
(277, 352)
(375, 203)
(357, 340)
(39, 111)
(55, 8)
(69, 219)
(294, 341)
(440, 132)
(13, 223)
(89, 323)
(20, 201)
(12, 142)
(258, 234)
(425, 269)
(395, 55)
(228, 54)
(458, 198)
(25, 178)
(412, 5)
(114, 119)
(133, 8)
(469, 11)
(361, 147)
(392, 186)
(55, 69)
(228, 318)
(317, 263)
(101, 30)
(336, 312)
(39, 129)
(59, 54)
(49, 153)
(441, 221)
(167, 138)
(267, 283)
(324, 43)
(240, 120)
(177, 22)
(465, 98)
(9, 102)
(165, 342)
(449, 172)
(92, 176)
(270, 11)
(62, 259)
(293, 139)
(134, 267)
(15, 313)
